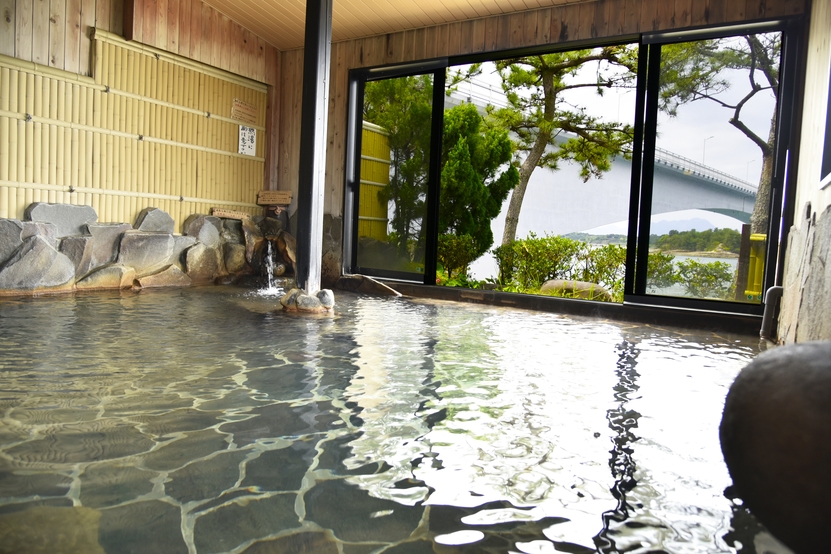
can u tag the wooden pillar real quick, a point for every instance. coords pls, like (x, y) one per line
(317, 53)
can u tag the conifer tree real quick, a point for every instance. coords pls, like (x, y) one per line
(539, 116)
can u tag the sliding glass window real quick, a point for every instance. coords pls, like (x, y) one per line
(711, 187)
(644, 173)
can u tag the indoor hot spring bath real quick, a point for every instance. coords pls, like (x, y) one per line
(204, 420)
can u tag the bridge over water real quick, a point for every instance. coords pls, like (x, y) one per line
(559, 202)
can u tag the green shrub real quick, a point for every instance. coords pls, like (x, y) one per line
(526, 264)
(455, 253)
(705, 280)
(605, 266)
(660, 272)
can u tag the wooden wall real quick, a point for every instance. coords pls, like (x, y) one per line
(195, 30)
(57, 34)
(150, 129)
(588, 20)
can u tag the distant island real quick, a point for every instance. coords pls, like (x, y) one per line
(714, 242)
(598, 239)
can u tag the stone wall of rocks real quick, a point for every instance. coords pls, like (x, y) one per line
(807, 299)
(63, 247)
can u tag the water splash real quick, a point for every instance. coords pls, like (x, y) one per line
(271, 284)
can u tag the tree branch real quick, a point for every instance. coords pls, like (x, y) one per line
(738, 124)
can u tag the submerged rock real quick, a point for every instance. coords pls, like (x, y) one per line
(776, 439)
(326, 298)
(45, 529)
(296, 300)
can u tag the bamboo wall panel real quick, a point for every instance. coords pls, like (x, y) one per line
(559, 24)
(149, 129)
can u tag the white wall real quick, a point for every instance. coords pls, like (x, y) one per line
(806, 304)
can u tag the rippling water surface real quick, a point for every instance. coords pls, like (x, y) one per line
(203, 420)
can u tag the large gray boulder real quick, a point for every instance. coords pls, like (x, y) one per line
(203, 264)
(254, 239)
(111, 276)
(271, 227)
(171, 276)
(776, 439)
(296, 300)
(46, 231)
(79, 250)
(206, 229)
(577, 289)
(67, 218)
(235, 258)
(36, 265)
(180, 245)
(154, 219)
(232, 231)
(106, 239)
(146, 252)
(13, 232)
(10, 238)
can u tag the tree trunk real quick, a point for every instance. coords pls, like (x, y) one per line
(518, 194)
(530, 163)
(760, 217)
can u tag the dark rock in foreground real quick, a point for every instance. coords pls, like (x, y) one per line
(776, 439)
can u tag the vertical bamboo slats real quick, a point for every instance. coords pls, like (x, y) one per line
(146, 130)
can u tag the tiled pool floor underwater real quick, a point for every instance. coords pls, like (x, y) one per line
(202, 420)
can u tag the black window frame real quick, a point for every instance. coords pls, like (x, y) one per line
(645, 124)
(780, 210)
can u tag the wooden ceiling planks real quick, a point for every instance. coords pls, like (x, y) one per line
(281, 23)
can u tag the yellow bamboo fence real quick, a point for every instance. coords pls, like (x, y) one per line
(375, 176)
(149, 128)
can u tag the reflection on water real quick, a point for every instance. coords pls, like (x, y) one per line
(202, 420)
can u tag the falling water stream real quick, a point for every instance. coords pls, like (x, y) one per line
(271, 284)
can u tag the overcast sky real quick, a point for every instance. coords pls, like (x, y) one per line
(701, 131)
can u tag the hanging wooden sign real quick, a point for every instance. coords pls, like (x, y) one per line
(274, 197)
(245, 112)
